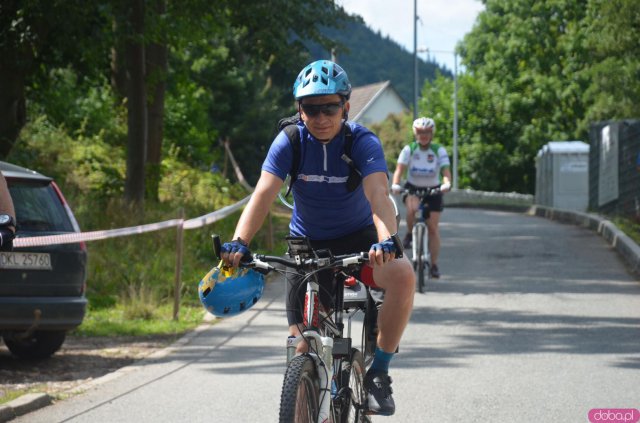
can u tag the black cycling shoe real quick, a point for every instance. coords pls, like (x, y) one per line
(377, 384)
(435, 272)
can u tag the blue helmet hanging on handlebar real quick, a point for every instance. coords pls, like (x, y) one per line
(227, 291)
(322, 77)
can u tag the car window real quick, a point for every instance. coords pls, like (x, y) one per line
(38, 208)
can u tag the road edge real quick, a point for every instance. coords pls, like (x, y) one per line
(28, 403)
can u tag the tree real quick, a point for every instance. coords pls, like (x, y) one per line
(611, 31)
(36, 36)
(524, 55)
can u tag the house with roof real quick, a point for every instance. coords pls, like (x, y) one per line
(373, 103)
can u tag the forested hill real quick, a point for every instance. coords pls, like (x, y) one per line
(369, 57)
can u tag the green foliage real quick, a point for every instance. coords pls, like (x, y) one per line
(184, 186)
(610, 34)
(84, 166)
(82, 107)
(114, 321)
(394, 132)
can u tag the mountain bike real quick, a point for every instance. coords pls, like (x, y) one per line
(326, 383)
(421, 257)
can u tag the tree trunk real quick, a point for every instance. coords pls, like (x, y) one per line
(156, 83)
(13, 113)
(118, 70)
(137, 108)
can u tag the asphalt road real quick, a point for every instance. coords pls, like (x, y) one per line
(532, 321)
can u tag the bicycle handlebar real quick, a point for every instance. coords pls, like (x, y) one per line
(262, 262)
(421, 192)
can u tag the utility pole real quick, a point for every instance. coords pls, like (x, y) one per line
(415, 59)
(455, 110)
(455, 120)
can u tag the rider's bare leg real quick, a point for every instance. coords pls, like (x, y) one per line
(412, 202)
(398, 280)
(434, 236)
(294, 330)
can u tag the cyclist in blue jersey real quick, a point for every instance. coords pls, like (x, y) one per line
(334, 213)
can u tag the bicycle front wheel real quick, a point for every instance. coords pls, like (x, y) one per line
(419, 259)
(300, 391)
(352, 382)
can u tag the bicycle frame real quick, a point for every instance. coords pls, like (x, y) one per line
(322, 334)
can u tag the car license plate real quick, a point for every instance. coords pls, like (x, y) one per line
(38, 261)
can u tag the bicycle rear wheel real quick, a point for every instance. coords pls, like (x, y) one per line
(300, 391)
(351, 389)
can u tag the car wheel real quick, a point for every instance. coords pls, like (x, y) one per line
(41, 344)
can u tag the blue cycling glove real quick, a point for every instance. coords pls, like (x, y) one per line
(389, 245)
(237, 246)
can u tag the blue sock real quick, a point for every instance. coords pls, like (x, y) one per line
(381, 360)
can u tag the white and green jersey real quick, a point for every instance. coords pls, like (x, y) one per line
(424, 165)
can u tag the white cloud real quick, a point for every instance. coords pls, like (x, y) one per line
(442, 23)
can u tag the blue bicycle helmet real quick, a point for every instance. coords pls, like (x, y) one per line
(227, 291)
(322, 77)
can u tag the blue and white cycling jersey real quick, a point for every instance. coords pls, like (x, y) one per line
(324, 208)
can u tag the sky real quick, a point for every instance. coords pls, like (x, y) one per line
(441, 25)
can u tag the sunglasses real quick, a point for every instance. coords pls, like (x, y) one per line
(424, 132)
(327, 109)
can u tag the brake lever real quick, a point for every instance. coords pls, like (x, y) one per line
(217, 246)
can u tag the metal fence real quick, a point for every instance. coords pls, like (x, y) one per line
(614, 168)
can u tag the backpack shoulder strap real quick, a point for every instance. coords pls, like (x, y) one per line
(413, 146)
(293, 134)
(355, 176)
(348, 145)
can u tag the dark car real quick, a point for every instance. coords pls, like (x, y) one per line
(42, 289)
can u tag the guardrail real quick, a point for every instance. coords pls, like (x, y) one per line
(180, 224)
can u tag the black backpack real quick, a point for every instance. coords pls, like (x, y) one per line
(290, 126)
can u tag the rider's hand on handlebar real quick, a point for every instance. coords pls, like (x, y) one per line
(446, 187)
(396, 188)
(235, 251)
(382, 252)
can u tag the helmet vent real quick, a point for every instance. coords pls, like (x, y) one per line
(325, 70)
(226, 310)
(325, 81)
(206, 292)
(242, 305)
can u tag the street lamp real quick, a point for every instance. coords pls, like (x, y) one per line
(455, 109)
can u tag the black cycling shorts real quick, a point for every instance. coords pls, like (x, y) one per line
(434, 202)
(356, 242)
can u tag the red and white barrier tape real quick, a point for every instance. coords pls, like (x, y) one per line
(71, 238)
